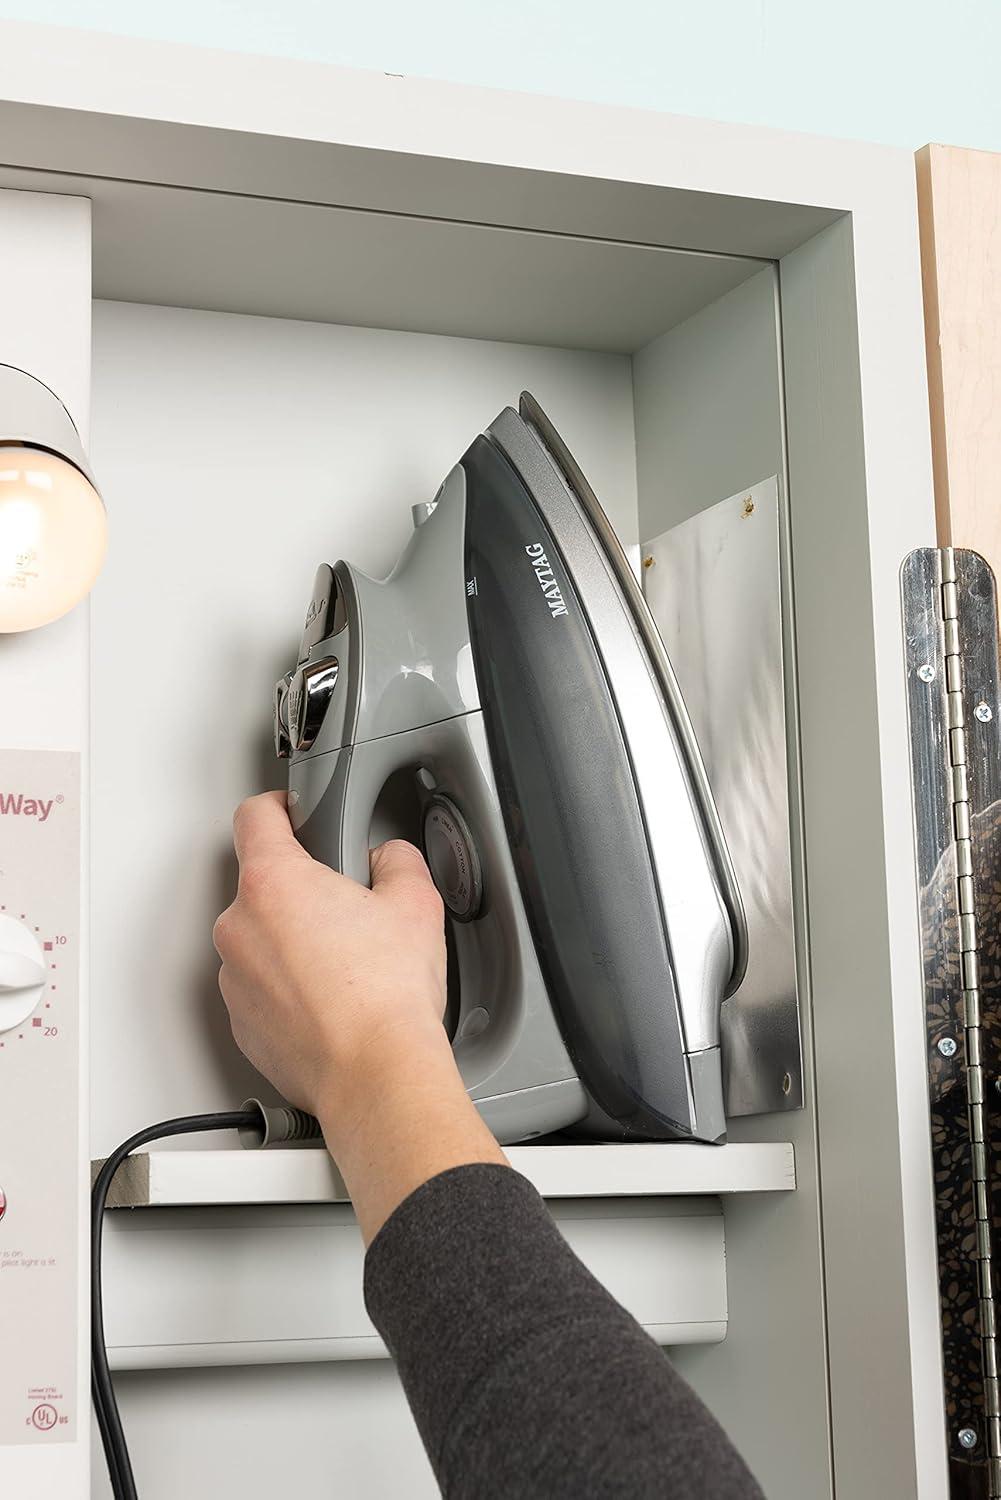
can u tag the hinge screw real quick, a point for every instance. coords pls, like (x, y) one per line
(648, 562)
(948, 1046)
(748, 507)
(967, 1437)
(927, 672)
(983, 712)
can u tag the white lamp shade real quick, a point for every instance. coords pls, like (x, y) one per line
(53, 536)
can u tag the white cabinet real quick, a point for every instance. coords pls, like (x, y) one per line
(312, 287)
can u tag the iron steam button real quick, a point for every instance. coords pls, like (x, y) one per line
(452, 858)
(282, 743)
(309, 694)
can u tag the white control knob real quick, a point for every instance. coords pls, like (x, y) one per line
(22, 972)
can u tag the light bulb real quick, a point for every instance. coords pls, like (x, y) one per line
(53, 535)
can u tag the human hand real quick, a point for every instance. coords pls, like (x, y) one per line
(320, 973)
(336, 994)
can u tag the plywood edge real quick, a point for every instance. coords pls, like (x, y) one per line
(925, 161)
(131, 1183)
(959, 201)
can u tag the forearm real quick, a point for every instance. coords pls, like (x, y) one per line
(401, 1115)
(524, 1376)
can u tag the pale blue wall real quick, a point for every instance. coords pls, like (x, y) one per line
(901, 71)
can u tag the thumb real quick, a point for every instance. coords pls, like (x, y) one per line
(262, 831)
(398, 866)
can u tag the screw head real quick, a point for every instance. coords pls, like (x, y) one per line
(948, 1046)
(926, 672)
(983, 712)
(648, 562)
(967, 1437)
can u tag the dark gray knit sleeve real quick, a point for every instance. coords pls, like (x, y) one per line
(526, 1379)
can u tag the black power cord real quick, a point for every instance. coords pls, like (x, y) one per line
(109, 1422)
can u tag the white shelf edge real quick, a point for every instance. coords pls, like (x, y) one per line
(333, 1350)
(163, 1179)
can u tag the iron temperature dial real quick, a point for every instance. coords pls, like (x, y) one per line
(452, 858)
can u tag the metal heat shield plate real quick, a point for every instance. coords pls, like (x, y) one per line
(714, 586)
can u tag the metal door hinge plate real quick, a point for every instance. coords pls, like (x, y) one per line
(951, 630)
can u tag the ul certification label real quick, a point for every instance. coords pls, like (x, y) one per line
(40, 1229)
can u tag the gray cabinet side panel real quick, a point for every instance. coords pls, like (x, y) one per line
(708, 422)
(850, 532)
(707, 398)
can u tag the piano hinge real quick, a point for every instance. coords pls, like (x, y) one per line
(957, 772)
(951, 629)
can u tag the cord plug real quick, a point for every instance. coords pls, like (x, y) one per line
(276, 1125)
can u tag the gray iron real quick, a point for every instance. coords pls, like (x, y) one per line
(505, 698)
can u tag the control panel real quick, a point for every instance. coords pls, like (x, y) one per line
(40, 1228)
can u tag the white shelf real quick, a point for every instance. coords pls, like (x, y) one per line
(161, 1179)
